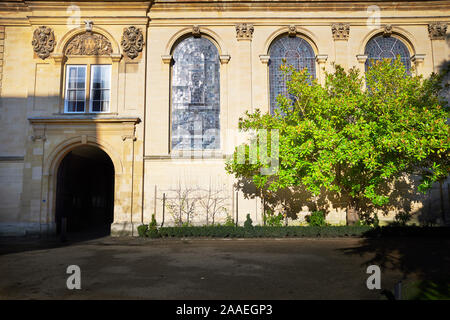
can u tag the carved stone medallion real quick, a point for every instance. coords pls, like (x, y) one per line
(43, 41)
(89, 44)
(132, 41)
(340, 31)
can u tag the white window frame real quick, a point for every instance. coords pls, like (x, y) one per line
(91, 72)
(66, 98)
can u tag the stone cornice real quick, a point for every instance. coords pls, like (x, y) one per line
(11, 158)
(304, 5)
(88, 5)
(81, 120)
(99, 20)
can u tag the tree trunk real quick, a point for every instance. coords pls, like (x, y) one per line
(352, 215)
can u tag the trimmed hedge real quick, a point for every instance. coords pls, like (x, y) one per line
(261, 232)
(294, 232)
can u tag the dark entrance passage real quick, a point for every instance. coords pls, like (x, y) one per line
(85, 193)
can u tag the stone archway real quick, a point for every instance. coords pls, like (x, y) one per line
(85, 192)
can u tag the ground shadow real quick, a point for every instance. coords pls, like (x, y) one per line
(421, 259)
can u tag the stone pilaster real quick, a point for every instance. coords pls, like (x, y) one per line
(437, 32)
(2, 49)
(341, 32)
(244, 35)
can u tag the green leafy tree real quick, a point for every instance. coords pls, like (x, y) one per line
(350, 139)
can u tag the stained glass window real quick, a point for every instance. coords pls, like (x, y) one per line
(298, 53)
(195, 95)
(381, 47)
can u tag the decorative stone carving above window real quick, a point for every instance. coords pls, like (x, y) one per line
(387, 31)
(43, 41)
(244, 31)
(132, 41)
(340, 31)
(437, 30)
(89, 44)
(196, 31)
(292, 31)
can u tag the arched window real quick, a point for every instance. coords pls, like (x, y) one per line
(195, 95)
(298, 53)
(381, 47)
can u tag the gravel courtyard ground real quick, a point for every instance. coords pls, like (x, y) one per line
(136, 268)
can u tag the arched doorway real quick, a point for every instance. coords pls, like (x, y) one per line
(85, 192)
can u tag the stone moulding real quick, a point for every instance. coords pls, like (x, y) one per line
(264, 58)
(418, 58)
(437, 31)
(132, 41)
(43, 42)
(89, 43)
(81, 120)
(224, 58)
(341, 31)
(166, 58)
(362, 58)
(321, 58)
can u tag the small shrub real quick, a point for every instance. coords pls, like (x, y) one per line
(402, 218)
(153, 223)
(316, 219)
(152, 233)
(186, 224)
(361, 223)
(229, 222)
(273, 220)
(248, 224)
(142, 229)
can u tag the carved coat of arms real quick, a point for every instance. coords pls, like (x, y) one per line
(43, 41)
(89, 44)
(132, 41)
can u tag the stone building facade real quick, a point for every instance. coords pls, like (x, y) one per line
(132, 85)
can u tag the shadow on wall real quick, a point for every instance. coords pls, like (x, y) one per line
(21, 173)
(405, 201)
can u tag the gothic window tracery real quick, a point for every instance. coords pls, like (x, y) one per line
(381, 47)
(293, 51)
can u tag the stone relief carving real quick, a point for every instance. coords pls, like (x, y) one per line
(292, 31)
(437, 30)
(88, 25)
(196, 31)
(43, 41)
(387, 31)
(132, 41)
(340, 31)
(87, 44)
(244, 31)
